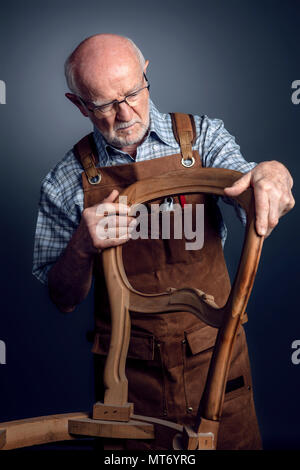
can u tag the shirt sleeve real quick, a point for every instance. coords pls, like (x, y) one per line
(220, 150)
(54, 228)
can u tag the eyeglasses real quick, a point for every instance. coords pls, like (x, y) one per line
(131, 99)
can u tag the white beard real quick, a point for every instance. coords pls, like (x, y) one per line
(120, 141)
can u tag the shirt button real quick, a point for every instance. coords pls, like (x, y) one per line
(155, 146)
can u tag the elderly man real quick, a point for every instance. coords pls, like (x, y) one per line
(168, 354)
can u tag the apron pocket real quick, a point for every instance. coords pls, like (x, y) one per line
(238, 427)
(141, 345)
(201, 338)
(199, 343)
(197, 350)
(144, 371)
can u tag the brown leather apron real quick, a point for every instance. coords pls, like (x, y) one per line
(169, 354)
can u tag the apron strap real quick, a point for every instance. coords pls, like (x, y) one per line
(185, 133)
(86, 153)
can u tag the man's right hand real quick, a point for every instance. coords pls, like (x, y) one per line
(104, 225)
(70, 278)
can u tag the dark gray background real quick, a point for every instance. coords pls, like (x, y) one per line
(234, 60)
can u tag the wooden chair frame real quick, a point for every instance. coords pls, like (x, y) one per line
(114, 417)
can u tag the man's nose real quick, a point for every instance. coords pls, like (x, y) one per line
(124, 112)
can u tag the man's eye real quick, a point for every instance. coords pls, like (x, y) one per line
(105, 107)
(132, 95)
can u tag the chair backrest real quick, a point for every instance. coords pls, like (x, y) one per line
(123, 298)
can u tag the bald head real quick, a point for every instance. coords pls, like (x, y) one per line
(101, 59)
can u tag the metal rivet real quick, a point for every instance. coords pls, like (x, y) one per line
(188, 162)
(95, 179)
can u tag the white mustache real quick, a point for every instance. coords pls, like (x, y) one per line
(123, 125)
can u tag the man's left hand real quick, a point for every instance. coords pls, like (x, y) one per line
(272, 184)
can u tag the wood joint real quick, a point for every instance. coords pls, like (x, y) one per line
(112, 412)
(192, 440)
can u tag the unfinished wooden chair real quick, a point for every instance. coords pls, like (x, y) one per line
(115, 418)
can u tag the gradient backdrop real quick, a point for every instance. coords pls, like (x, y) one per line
(234, 60)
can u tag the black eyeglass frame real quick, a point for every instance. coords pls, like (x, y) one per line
(114, 102)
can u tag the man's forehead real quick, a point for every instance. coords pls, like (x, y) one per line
(110, 82)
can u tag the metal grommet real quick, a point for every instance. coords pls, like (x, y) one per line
(187, 162)
(94, 179)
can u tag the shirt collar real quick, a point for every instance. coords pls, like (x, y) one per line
(160, 126)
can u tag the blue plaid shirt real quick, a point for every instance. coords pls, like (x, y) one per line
(61, 199)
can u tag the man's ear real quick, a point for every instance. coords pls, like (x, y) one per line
(74, 99)
(146, 65)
